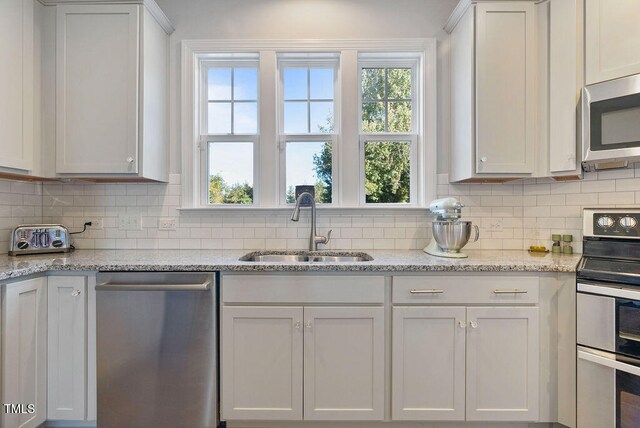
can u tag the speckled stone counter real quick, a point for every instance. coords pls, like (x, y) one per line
(227, 260)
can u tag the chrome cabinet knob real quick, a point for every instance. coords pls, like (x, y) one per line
(297, 325)
(130, 159)
(473, 324)
(308, 324)
(462, 324)
(483, 159)
(75, 292)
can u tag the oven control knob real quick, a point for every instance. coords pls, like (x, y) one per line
(628, 222)
(605, 221)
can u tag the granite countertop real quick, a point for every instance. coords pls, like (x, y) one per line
(227, 260)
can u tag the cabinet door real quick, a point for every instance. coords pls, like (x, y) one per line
(612, 39)
(24, 348)
(505, 91)
(344, 363)
(502, 364)
(428, 363)
(97, 88)
(16, 83)
(261, 362)
(67, 348)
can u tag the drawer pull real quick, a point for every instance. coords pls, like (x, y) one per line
(516, 291)
(431, 291)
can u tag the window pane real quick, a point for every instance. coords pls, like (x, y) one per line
(399, 83)
(219, 82)
(245, 84)
(321, 116)
(309, 163)
(295, 84)
(321, 83)
(399, 116)
(387, 167)
(230, 173)
(295, 118)
(245, 118)
(373, 117)
(372, 83)
(219, 118)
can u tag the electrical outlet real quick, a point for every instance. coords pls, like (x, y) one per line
(97, 223)
(129, 221)
(167, 223)
(495, 225)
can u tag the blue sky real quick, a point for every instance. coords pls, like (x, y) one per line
(234, 160)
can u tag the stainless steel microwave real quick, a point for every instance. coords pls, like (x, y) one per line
(611, 124)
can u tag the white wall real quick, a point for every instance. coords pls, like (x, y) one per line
(292, 19)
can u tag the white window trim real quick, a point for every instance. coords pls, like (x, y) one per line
(413, 137)
(333, 137)
(193, 51)
(203, 165)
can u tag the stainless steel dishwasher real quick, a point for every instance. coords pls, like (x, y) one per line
(156, 349)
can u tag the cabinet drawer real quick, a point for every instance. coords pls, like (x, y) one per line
(282, 289)
(449, 289)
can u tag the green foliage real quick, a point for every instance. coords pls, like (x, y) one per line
(323, 164)
(391, 116)
(222, 193)
(387, 167)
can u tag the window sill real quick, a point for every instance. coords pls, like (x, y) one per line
(377, 210)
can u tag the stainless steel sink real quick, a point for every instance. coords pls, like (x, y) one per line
(305, 257)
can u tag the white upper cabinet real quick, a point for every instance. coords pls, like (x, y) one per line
(111, 92)
(515, 83)
(505, 95)
(493, 95)
(612, 39)
(17, 22)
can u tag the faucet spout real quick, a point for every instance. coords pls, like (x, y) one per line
(314, 239)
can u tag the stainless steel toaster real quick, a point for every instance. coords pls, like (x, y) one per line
(39, 239)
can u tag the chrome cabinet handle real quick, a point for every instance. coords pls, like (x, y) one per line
(514, 291)
(75, 292)
(431, 291)
(462, 324)
(474, 324)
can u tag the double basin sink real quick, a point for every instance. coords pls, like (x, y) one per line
(306, 257)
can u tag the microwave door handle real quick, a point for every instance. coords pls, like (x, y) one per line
(608, 360)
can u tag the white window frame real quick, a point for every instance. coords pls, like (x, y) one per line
(321, 61)
(393, 60)
(206, 138)
(347, 150)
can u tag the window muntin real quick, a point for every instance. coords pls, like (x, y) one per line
(386, 99)
(229, 140)
(308, 126)
(388, 130)
(308, 94)
(232, 100)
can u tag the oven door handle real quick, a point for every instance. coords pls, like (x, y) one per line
(610, 291)
(608, 359)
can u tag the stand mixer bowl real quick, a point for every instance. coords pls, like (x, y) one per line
(451, 236)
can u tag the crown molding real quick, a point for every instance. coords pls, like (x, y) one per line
(151, 6)
(457, 15)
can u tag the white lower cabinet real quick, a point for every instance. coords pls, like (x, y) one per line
(343, 363)
(269, 353)
(502, 364)
(261, 363)
(24, 352)
(486, 357)
(428, 363)
(67, 330)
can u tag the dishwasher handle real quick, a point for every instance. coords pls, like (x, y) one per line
(106, 286)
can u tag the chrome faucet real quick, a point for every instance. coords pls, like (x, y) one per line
(314, 239)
